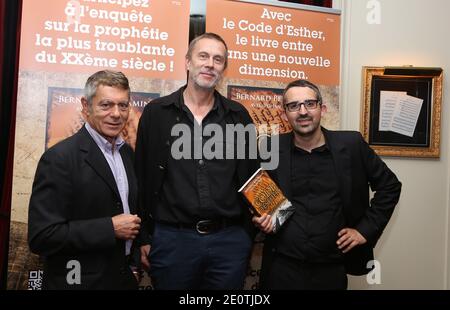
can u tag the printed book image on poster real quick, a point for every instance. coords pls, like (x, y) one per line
(65, 117)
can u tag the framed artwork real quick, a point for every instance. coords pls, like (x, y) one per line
(401, 113)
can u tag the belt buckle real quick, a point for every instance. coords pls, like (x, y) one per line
(206, 229)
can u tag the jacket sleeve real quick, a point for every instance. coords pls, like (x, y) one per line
(142, 173)
(50, 228)
(386, 188)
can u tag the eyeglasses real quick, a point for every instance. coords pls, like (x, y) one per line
(295, 106)
(108, 105)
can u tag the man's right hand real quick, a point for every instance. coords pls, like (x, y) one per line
(263, 222)
(145, 250)
(126, 226)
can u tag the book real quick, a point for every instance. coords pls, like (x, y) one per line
(265, 196)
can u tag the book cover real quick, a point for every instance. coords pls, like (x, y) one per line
(265, 196)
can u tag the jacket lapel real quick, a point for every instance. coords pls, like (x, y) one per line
(342, 164)
(284, 170)
(132, 186)
(95, 159)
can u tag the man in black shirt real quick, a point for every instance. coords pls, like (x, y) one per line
(326, 175)
(193, 234)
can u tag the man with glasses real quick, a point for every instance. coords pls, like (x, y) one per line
(326, 175)
(83, 203)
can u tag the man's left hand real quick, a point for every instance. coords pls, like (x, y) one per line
(349, 238)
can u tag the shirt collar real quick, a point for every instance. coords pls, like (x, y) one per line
(102, 142)
(176, 97)
(180, 103)
(322, 148)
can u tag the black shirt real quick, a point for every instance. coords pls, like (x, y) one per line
(311, 233)
(196, 188)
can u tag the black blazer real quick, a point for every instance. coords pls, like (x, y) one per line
(73, 199)
(357, 167)
(153, 145)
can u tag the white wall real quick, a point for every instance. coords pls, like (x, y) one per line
(198, 7)
(413, 251)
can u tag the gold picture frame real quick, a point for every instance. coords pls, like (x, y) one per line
(388, 94)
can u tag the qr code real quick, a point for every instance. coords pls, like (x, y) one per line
(35, 280)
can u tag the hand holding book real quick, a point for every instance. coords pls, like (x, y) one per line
(264, 223)
(266, 198)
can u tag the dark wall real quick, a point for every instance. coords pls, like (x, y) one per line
(10, 11)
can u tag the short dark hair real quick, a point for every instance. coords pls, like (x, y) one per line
(106, 78)
(303, 83)
(207, 35)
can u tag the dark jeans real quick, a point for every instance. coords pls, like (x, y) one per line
(182, 259)
(290, 274)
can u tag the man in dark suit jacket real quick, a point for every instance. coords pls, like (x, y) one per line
(326, 175)
(83, 204)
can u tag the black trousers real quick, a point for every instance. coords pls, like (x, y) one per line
(290, 274)
(183, 259)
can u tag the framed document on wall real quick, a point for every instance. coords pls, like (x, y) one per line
(401, 113)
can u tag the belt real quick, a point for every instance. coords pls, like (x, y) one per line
(205, 227)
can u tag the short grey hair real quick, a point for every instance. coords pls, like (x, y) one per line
(207, 35)
(106, 78)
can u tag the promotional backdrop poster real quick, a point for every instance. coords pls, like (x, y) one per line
(271, 44)
(62, 44)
